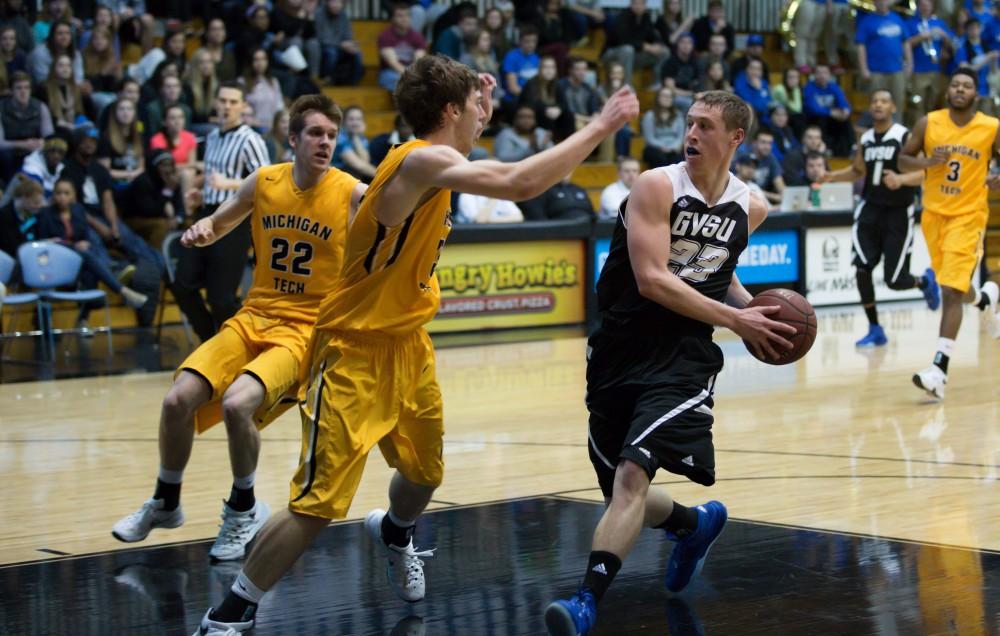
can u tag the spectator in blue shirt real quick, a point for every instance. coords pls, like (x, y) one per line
(969, 51)
(826, 106)
(768, 173)
(977, 9)
(451, 41)
(991, 29)
(352, 154)
(883, 60)
(520, 64)
(752, 86)
(928, 38)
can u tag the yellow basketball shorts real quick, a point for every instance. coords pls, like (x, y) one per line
(955, 244)
(364, 391)
(269, 349)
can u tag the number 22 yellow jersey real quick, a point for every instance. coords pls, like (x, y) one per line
(958, 186)
(298, 241)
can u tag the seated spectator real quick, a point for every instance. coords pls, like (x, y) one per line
(587, 14)
(153, 203)
(133, 24)
(174, 138)
(292, 25)
(12, 59)
(752, 86)
(768, 174)
(672, 24)
(563, 201)
(746, 169)
(45, 165)
(785, 139)
(613, 195)
(59, 42)
(102, 68)
(399, 46)
(615, 79)
(480, 57)
(65, 222)
(256, 34)
(680, 73)
(718, 51)
(825, 105)
(520, 65)
(15, 14)
(104, 19)
(401, 133)
(754, 51)
(339, 53)
(279, 150)
(542, 93)
(174, 49)
(583, 102)
(663, 129)
(714, 78)
(263, 92)
(789, 94)
(451, 42)
(713, 23)
(24, 122)
(201, 82)
(120, 148)
(496, 24)
(63, 96)
(634, 42)
(214, 43)
(557, 30)
(424, 12)
(352, 153)
(815, 167)
(523, 139)
(169, 97)
(19, 218)
(52, 11)
(128, 89)
(475, 208)
(150, 90)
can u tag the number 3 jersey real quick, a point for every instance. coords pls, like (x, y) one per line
(298, 241)
(958, 186)
(705, 243)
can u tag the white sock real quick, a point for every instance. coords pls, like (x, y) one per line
(245, 589)
(171, 476)
(245, 483)
(401, 523)
(946, 346)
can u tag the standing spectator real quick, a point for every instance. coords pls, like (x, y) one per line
(613, 195)
(543, 93)
(991, 29)
(615, 80)
(24, 122)
(263, 92)
(810, 18)
(59, 42)
(176, 139)
(754, 51)
(451, 42)
(680, 73)
(785, 139)
(672, 24)
(883, 60)
(789, 94)
(520, 64)
(120, 148)
(201, 82)
(839, 28)
(663, 129)
(563, 201)
(714, 23)
(153, 203)
(523, 139)
(752, 86)
(793, 166)
(975, 10)
(339, 53)
(401, 133)
(12, 59)
(929, 41)
(214, 43)
(63, 96)
(19, 218)
(825, 104)
(768, 175)
(232, 153)
(352, 154)
(171, 91)
(15, 14)
(635, 42)
(101, 67)
(970, 51)
(496, 24)
(399, 46)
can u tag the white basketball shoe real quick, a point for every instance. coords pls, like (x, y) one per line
(138, 525)
(237, 530)
(405, 569)
(932, 379)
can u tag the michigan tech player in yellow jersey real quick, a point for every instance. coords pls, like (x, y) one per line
(958, 143)
(371, 363)
(299, 216)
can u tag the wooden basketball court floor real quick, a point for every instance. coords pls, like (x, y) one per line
(857, 505)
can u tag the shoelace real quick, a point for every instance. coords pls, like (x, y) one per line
(233, 529)
(412, 561)
(141, 512)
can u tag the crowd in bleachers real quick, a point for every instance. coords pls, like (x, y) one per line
(114, 97)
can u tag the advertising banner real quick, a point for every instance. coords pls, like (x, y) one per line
(522, 284)
(772, 256)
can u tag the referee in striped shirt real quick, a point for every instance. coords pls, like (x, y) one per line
(232, 152)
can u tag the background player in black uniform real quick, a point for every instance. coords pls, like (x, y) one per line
(883, 220)
(652, 363)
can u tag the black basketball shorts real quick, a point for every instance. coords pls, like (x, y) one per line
(883, 232)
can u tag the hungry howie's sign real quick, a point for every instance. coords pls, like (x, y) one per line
(498, 285)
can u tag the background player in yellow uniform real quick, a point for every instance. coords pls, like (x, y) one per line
(300, 214)
(372, 378)
(958, 143)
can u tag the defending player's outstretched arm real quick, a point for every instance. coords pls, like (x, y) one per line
(648, 222)
(211, 228)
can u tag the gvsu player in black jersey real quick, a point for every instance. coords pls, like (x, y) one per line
(883, 220)
(652, 364)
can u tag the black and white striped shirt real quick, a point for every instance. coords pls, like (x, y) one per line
(235, 154)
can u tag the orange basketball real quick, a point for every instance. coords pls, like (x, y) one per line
(795, 311)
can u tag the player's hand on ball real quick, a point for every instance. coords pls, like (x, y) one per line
(760, 332)
(200, 234)
(890, 179)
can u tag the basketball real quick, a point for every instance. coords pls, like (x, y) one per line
(795, 311)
